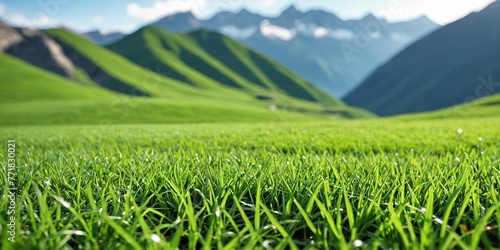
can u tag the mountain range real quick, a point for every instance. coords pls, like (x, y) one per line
(103, 38)
(332, 53)
(458, 63)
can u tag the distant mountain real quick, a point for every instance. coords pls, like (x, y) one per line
(210, 60)
(457, 63)
(36, 48)
(180, 22)
(241, 20)
(103, 38)
(334, 54)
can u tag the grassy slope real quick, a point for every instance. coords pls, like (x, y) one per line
(30, 95)
(122, 69)
(313, 185)
(485, 107)
(20, 82)
(126, 110)
(33, 96)
(205, 59)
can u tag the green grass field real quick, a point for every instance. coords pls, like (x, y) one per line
(281, 185)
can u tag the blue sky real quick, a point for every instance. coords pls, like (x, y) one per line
(127, 15)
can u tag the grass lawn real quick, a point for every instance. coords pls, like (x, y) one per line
(281, 185)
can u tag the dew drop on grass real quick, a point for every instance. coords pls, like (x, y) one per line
(199, 191)
(46, 182)
(480, 139)
(460, 131)
(358, 243)
(438, 220)
(155, 238)
(246, 204)
(65, 204)
(176, 222)
(265, 244)
(217, 212)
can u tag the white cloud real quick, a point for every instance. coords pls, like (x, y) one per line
(2, 9)
(37, 21)
(163, 8)
(98, 20)
(320, 32)
(342, 34)
(265, 3)
(442, 11)
(270, 30)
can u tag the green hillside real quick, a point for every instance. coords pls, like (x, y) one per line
(127, 74)
(21, 82)
(485, 107)
(141, 111)
(166, 85)
(31, 95)
(210, 60)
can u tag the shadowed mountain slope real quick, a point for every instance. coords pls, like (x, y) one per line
(458, 63)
